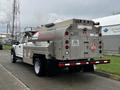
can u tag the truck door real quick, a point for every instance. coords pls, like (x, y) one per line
(19, 50)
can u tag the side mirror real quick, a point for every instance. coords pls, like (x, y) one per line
(17, 43)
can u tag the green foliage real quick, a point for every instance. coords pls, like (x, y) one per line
(113, 67)
(6, 47)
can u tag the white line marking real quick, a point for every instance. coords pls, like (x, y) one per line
(14, 77)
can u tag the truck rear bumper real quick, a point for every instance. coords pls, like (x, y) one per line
(62, 64)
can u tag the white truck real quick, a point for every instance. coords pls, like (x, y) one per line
(75, 45)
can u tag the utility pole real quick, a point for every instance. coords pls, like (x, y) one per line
(7, 28)
(13, 19)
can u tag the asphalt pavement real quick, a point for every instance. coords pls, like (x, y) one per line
(20, 76)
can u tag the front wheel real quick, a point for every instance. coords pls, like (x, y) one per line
(39, 68)
(13, 57)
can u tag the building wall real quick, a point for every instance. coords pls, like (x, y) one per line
(108, 20)
(111, 39)
(111, 44)
(111, 33)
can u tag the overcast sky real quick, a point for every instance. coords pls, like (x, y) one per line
(37, 12)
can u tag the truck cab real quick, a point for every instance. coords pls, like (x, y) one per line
(17, 48)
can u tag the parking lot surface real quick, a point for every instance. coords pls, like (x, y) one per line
(20, 76)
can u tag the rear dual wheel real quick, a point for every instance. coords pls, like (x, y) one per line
(88, 68)
(74, 69)
(44, 67)
(52, 68)
(39, 66)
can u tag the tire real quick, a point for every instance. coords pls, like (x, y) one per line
(52, 68)
(39, 66)
(74, 69)
(1, 47)
(88, 68)
(13, 56)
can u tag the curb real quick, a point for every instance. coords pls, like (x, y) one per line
(108, 75)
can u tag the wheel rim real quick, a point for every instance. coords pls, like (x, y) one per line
(37, 67)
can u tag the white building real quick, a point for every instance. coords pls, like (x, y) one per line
(111, 33)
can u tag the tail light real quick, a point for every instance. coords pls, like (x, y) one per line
(66, 47)
(100, 47)
(100, 42)
(67, 53)
(66, 33)
(66, 42)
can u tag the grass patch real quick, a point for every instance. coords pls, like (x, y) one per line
(7, 47)
(113, 67)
